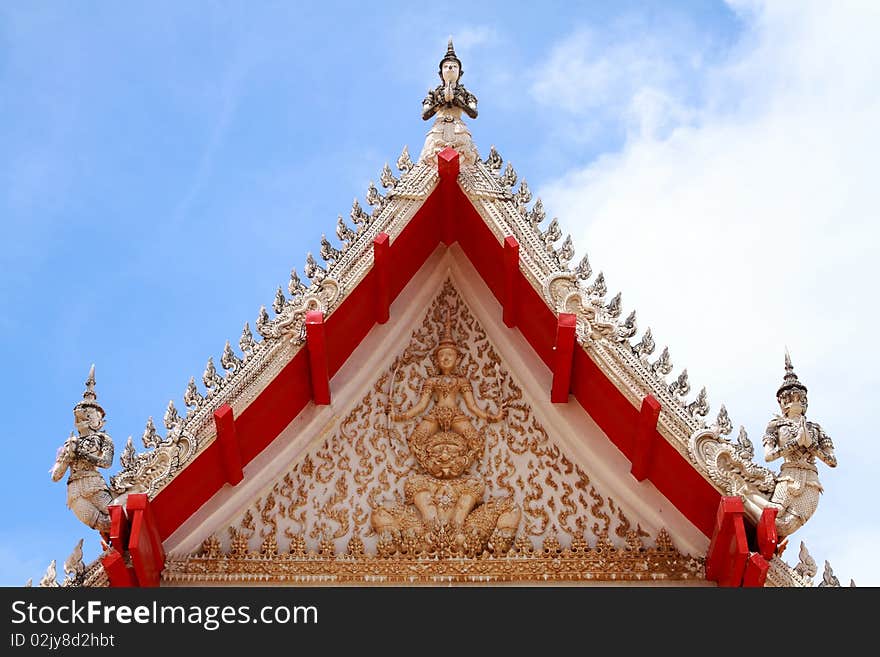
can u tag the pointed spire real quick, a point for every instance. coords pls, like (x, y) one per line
(447, 339)
(128, 456)
(566, 252)
(628, 327)
(806, 566)
(210, 377)
(828, 577)
(404, 163)
(73, 565)
(246, 341)
(494, 161)
(295, 286)
(229, 361)
(345, 234)
(171, 419)
(89, 394)
(151, 437)
(700, 406)
(374, 199)
(614, 306)
(645, 346)
(523, 196)
(49, 579)
(358, 217)
(598, 288)
(263, 323)
(744, 446)
(551, 235)
(279, 302)
(681, 386)
(790, 381)
(329, 253)
(314, 273)
(662, 366)
(508, 178)
(387, 179)
(450, 50)
(192, 398)
(583, 270)
(537, 214)
(723, 425)
(89, 397)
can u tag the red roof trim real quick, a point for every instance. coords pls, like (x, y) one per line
(346, 327)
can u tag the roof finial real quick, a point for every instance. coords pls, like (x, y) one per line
(447, 101)
(790, 381)
(89, 397)
(450, 55)
(89, 393)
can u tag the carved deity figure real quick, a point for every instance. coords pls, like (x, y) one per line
(83, 453)
(447, 101)
(799, 443)
(444, 506)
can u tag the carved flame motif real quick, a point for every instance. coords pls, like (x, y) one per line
(325, 502)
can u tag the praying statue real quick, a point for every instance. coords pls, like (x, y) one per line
(446, 102)
(83, 453)
(798, 442)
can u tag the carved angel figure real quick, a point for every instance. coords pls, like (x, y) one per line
(447, 101)
(795, 490)
(799, 443)
(87, 493)
(448, 502)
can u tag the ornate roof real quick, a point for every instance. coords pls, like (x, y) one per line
(482, 205)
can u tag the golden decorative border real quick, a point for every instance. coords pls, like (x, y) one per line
(579, 563)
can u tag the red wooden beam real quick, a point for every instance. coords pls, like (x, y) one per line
(381, 265)
(144, 544)
(291, 390)
(118, 573)
(119, 527)
(767, 537)
(728, 549)
(511, 278)
(448, 164)
(316, 341)
(755, 571)
(643, 440)
(563, 357)
(227, 440)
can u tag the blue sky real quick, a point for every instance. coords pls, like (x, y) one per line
(164, 166)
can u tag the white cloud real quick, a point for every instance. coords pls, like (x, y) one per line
(600, 76)
(746, 220)
(468, 37)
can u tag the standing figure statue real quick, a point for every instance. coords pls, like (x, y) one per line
(87, 493)
(799, 443)
(447, 101)
(449, 512)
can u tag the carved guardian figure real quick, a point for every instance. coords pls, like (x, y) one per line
(447, 101)
(795, 490)
(87, 493)
(799, 443)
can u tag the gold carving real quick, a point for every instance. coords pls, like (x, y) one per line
(365, 466)
(579, 562)
(449, 518)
